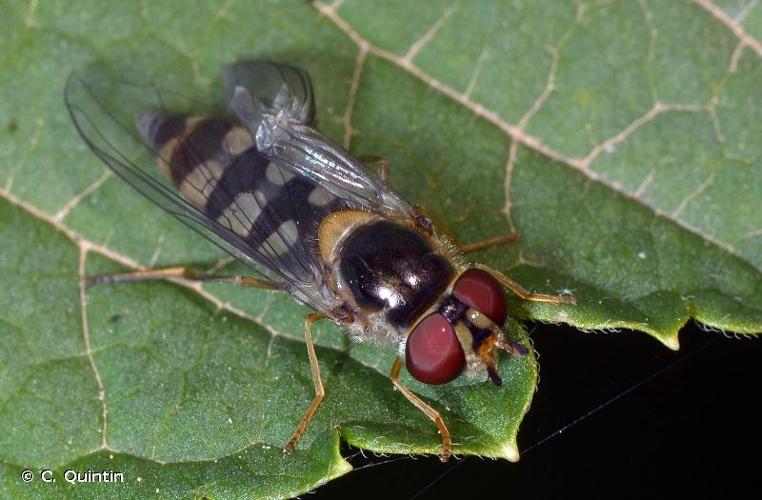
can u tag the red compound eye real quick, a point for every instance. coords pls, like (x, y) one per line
(478, 289)
(433, 354)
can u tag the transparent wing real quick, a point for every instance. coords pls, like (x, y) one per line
(230, 194)
(278, 86)
(275, 103)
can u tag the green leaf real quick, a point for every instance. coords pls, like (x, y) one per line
(620, 139)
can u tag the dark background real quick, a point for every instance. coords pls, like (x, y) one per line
(645, 422)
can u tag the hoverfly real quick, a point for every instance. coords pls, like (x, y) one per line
(259, 181)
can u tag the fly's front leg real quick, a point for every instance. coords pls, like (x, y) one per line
(425, 408)
(319, 391)
(522, 292)
(183, 273)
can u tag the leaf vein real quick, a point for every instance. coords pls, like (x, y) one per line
(731, 24)
(88, 346)
(427, 37)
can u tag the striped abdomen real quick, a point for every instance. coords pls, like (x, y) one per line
(215, 167)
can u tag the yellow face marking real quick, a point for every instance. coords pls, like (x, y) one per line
(479, 320)
(464, 337)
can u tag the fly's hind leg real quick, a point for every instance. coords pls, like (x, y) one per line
(182, 273)
(319, 391)
(425, 408)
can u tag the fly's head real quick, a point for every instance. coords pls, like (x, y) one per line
(463, 332)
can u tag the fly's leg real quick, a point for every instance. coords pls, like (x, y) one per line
(488, 243)
(382, 166)
(522, 292)
(183, 273)
(425, 408)
(462, 247)
(319, 391)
